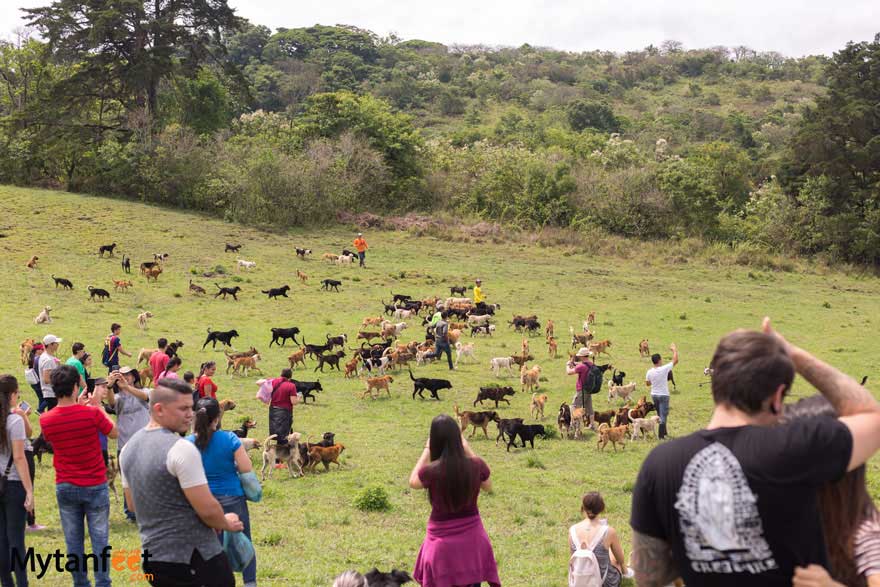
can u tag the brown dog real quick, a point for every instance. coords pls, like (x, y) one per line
(537, 405)
(612, 435)
(529, 377)
(32, 263)
(153, 272)
(377, 383)
(604, 417)
(597, 347)
(372, 321)
(246, 364)
(26, 346)
(552, 347)
(548, 331)
(122, 284)
(297, 357)
(368, 336)
(231, 358)
(302, 276)
(522, 359)
(644, 350)
(146, 375)
(325, 455)
(476, 419)
(351, 367)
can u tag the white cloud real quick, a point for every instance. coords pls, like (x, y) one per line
(792, 27)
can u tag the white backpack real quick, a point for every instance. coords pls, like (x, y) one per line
(583, 567)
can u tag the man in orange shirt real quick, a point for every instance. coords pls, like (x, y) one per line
(361, 246)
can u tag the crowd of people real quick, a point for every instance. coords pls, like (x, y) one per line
(766, 494)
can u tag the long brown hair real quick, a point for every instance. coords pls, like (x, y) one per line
(843, 505)
(207, 410)
(8, 386)
(453, 465)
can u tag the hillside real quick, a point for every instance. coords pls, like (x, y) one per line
(307, 530)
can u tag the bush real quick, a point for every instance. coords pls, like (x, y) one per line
(373, 499)
(534, 463)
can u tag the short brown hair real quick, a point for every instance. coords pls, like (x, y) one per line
(748, 367)
(593, 504)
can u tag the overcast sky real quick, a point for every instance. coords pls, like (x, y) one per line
(792, 27)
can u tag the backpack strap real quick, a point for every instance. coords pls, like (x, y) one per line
(572, 534)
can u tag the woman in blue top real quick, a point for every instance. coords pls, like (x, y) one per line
(224, 457)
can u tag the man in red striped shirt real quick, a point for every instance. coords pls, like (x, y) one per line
(80, 473)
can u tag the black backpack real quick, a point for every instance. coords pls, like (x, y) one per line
(594, 380)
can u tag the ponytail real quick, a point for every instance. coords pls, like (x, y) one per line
(207, 410)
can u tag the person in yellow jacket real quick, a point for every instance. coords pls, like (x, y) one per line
(360, 246)
(479, 298)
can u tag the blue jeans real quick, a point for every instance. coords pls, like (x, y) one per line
(77, 505)
(12, 521)
(128, 513)
(362, 257)
(661, 402)
(237, 504)
(439, 349)
(41, 403)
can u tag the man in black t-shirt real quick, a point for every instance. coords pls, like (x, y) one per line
(735, 504)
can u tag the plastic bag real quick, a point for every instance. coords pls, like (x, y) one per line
(239, 550)
(253, 491)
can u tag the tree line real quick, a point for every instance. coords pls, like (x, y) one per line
(185, 104)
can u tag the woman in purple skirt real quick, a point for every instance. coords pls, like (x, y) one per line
(456, 551)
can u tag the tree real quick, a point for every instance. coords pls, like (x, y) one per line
(583, 114)
(130, 46)
(247, 44)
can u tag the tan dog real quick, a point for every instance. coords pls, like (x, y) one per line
(325, 455)
(230, 358)
(250, 444)
(302, 276)
(153, 272)
(578, 420)
(453, 336)
(552, 347)
(122, 284)
(377, 383)
(146, 375)
(351, 367)
(591, 318)
(597, 347)
(142, 319)
(476, 419)
(548, 331)
(246, 364)
(287, 453)
(537, 405)
(297, 357)
(464, 350)
(621, 391)
(529, 377)
(44, 317)
(372, 321)
(330, 257)
(25, 348)
(32, 263)
(612, 435)
(112, 473)
(145, 354)
(642, 426)
(644, 350)
(525, 347)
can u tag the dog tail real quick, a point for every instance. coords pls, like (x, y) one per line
(864, 380)
(209, 330)
(600, 428)
(218, 287)
(265, 291)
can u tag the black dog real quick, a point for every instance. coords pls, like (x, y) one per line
(617, 377)
(328, 283)
(99, 293)
(507, 426)
(316, 349)
(399, 298)
(425, 383)
(231, 248)
(495, 394)
(41, 446)
(126, 264)
(337, 340)
(458, 289)
(303, 252)
(395, 578)
(219, 336)
(65, 283)
(228, 290)
(347, 253)
(332, 360)
(477, 328)
(389, 308)
(274, 292)
(526, 432)
(671, 379)
(283, 334)
(306, 388)
(171, 349)
(106, 249)
(148, 265)
(328, 439)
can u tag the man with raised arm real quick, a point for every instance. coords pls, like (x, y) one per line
(735, 503)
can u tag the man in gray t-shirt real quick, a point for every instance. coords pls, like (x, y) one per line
(48, 362)
(132, 413)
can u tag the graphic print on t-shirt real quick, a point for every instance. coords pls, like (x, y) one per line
(718, 515)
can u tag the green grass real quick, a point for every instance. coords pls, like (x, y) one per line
(307, 530)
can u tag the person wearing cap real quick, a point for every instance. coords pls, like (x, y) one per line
(581, 367)
(436, 317)
(80, 472)
(479, 299)
(132, 412)
(77, 351)
(48, 363)
(360, 246)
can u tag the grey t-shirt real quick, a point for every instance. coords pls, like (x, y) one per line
(48, 363)
(14, 431)
(132, 414)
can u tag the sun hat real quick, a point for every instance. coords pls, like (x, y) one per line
(125, 369)
(50, 339)
(583, 352)
(479, 280)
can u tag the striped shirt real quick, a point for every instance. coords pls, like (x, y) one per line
(866, 546)
(73, 432)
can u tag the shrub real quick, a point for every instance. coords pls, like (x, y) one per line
(534, 463)
(373, 499)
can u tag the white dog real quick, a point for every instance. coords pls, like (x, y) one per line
(345, 260)
(641, 426)
(44, 317)
(142, 319)
(403, 314)
(499, 363)
(464, 350)
(242, 264)
(473, 320)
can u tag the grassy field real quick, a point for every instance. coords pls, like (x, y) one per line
(307, 530)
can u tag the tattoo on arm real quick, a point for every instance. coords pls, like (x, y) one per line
(652, 561)
(846, 395)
